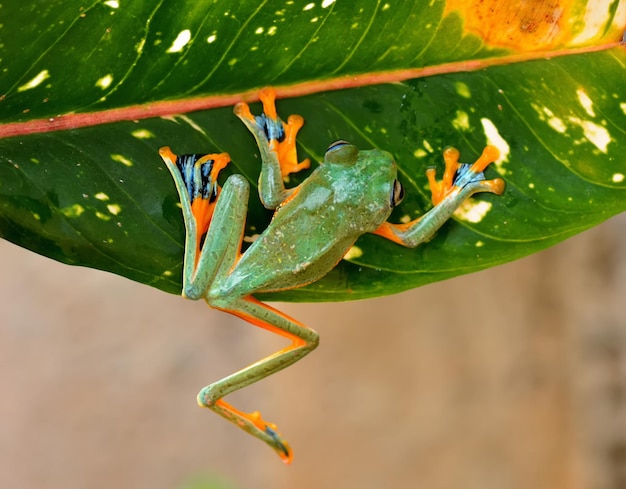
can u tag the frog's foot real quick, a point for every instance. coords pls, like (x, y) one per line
(199, 175)
(278, 135)
(251, 423)
(460, 176)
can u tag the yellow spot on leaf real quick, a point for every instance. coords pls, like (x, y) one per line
(142, 134)
(180, 42)
(557, 124)
(461, 121)
(73, 211)
(586, 102)
(618, 177)
(597, 135)
(473, 210)
(34, 82)
(545, 114)
(121, 159)
(114, 209)
(101, 196)
(463, 90)
(104, 82)
(354, 252)
(495, 139)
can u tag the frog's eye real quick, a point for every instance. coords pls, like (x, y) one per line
(337, 145)
(341, 152)
(397, 193)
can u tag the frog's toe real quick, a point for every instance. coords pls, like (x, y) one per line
(242, 110)
(279, 444)
(267, 96)
(269, 433)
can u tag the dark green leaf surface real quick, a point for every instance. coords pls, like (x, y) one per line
(97, 56)
(100, 196)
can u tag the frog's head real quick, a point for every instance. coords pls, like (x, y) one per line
(378, 167)
(366, 183)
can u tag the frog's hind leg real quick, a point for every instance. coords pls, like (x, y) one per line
(303, 341)
(214, 217)
(195, 177)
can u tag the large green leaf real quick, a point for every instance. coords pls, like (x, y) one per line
(88, 89)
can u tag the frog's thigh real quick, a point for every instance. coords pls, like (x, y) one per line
(222, 245)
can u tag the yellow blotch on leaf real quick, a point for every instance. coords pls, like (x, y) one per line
(114, 209)
(353, 253)
(121, 159)
(73, 210)
(531, 25)
(473, 210)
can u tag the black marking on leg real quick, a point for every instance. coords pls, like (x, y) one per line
(197, 180)
(464, 176)
(273, 128)
(275, 436)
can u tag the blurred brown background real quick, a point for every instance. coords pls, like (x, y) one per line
(511, 378)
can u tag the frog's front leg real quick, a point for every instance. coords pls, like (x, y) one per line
(459, 182)
(205, 274)
(277, 143)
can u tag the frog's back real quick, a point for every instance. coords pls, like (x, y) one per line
(315, 228)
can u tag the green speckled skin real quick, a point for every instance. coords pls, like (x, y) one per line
(337, 203)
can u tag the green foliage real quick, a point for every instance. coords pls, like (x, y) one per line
(99, 195)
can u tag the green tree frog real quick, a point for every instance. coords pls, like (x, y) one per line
(350, 193)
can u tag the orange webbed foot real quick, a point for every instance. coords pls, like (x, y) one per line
(281, 136)
(199, 174)
(287, 153)
(252, 423)
(457, 175)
